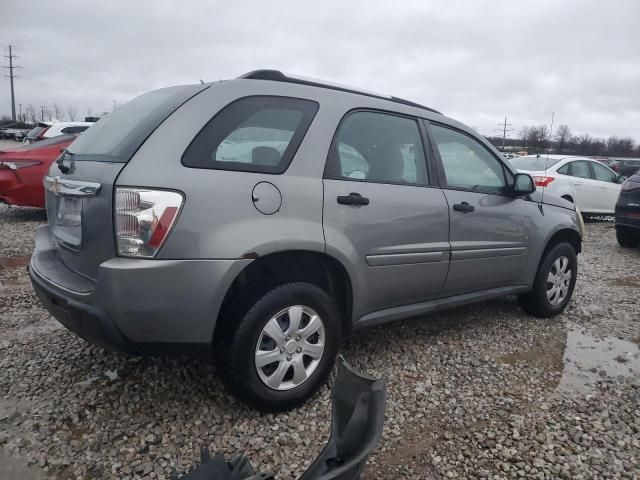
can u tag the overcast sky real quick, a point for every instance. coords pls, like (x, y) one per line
(477, 61)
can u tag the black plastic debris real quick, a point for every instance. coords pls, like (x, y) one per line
(356, 427)
(217, 468)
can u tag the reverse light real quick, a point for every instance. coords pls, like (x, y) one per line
(18, 164)
(143, 219)
(543, 181)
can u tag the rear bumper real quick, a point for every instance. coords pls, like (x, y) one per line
(138, 306)
(628, 219)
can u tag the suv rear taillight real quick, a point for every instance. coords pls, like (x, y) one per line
(543, 181)
(143, 219)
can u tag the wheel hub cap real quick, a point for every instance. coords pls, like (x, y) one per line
(290, 347)
(558, 281)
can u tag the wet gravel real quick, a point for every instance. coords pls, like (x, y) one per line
(478, 392)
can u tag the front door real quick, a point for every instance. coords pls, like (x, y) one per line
(381, 215)
(489, 229)
(608, 187)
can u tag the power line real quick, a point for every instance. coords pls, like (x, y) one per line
(504, 130)
(11, 76)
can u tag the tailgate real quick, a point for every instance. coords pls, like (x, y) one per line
(79, 208)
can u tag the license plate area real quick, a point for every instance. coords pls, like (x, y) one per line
(68, 222)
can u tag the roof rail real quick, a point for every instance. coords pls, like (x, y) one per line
(278, 76)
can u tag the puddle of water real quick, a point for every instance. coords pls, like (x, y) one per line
(588, 359)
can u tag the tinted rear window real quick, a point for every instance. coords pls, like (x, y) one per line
(532, 163)
(116, 137)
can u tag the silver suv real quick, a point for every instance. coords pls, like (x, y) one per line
(263, 219)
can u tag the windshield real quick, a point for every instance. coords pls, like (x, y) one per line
(116, 137)
(533, 163)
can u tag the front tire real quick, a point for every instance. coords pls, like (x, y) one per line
(554, 282)
(627, 237)
(280, 348)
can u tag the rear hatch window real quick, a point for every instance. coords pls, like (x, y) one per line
(533, 163)
(116, 137)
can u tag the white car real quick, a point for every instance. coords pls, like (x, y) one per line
(592, 186)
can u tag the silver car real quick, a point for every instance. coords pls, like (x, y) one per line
(261, 220)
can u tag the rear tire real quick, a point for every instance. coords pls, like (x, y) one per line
(554, 282)
(627, 237)
(263, 329)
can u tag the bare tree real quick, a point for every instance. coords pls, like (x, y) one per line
(72, 111)
(563, 135)
(523, 135)
(583, 142)
(58, 113)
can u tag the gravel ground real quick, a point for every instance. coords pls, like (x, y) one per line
(478, 392)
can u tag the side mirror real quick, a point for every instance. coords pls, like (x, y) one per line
(620, 179)
(523, 184)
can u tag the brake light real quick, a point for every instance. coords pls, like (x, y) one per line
(18, 164)
(543, 181)
(143, 219)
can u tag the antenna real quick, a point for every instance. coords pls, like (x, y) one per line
(546, 163)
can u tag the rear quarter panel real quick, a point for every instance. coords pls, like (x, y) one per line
(218, 219)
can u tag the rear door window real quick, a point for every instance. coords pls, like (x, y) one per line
(579, 169)
(253, 134)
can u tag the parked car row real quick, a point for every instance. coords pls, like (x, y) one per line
(22, 168)
(44, 130)
(13, 133)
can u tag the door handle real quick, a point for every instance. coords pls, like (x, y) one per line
(353, 199)
(577, 183)
(463, 207)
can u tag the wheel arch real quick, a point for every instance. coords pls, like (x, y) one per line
(268, 271)
(568, 235)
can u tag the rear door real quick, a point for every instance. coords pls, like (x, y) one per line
(489, 229)
(382, 213)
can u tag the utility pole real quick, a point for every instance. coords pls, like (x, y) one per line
(11, 76)
(20, 113)
(504, 130)
(42, 112)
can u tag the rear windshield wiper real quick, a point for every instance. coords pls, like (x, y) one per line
(61, 166)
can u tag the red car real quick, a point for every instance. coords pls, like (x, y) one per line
(22, 170)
